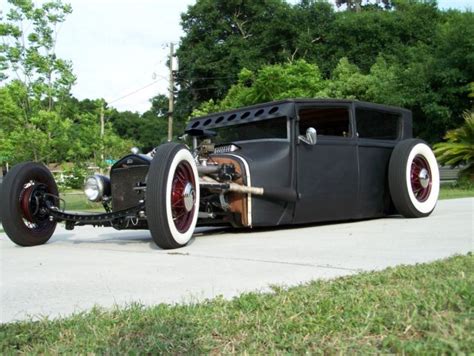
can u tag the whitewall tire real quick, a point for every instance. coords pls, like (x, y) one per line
(413, 178)
(172, 196)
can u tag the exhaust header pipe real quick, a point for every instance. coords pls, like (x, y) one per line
(274, 193)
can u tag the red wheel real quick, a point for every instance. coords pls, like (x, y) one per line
(25, 192)
(183, 197)
(33, 206)
(172, 196)
(421, 179)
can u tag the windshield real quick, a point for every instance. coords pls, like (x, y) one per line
(263, 129)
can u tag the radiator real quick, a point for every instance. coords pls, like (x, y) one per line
(123, 180)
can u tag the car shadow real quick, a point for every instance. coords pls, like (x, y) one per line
(125, 237)
(243, 230)
(142, 237)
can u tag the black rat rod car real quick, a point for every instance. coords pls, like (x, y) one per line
(279, 163)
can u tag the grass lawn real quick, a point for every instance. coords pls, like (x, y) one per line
(450, 192)
(77, 201)
(426, 308)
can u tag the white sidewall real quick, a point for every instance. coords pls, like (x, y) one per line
(182, 155)
(428, 205)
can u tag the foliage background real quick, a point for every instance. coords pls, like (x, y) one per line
(407, 53)
(404, 52)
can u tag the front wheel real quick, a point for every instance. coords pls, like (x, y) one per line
(24, 195)
(413, 178)
(172, 196)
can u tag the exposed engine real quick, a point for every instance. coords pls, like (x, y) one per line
(223, 183)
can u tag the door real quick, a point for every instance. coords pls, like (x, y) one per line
(327, 172)
(378, 131)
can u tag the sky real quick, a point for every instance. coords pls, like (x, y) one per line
(119, 48)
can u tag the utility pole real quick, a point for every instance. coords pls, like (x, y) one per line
(102, 132)
(171, 95)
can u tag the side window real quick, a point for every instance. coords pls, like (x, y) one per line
(326, 121)
(263, 129)
(375, 124)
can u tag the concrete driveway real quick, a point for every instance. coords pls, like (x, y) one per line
(85, 267)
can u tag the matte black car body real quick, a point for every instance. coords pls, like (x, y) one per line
(339, 178)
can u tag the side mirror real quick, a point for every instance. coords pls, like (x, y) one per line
(311, 136)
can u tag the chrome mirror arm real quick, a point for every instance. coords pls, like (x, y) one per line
(310, 138)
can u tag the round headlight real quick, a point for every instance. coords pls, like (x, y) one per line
(95, 187)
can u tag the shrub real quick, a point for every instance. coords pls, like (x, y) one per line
(458, 150)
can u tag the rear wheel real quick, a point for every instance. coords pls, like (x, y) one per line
(413, 178)
(24, 195)
(172, 196)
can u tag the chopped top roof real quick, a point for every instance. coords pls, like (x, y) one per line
(266, 111)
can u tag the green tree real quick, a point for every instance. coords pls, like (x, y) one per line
(34, 81)
(147, 130)
(274, 82)
(414, 55)
(154, 124)
(49, 137)
(10, 111)
(39, 118)
(222, 37)
(304, 80)
(347, 81)
(453, 64)
(29, 34)
(459, 147)
(357, 5)
(86, 144)
(125, 123)
(385, 84)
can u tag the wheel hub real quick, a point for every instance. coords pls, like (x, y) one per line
(424, 178)
(32, 202)
(188, 196)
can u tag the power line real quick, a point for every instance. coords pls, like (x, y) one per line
(262, 49)
(171, 94)
(208, 88)
(136, 91)
(162, 78)
(197, 78)
(208, 78)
